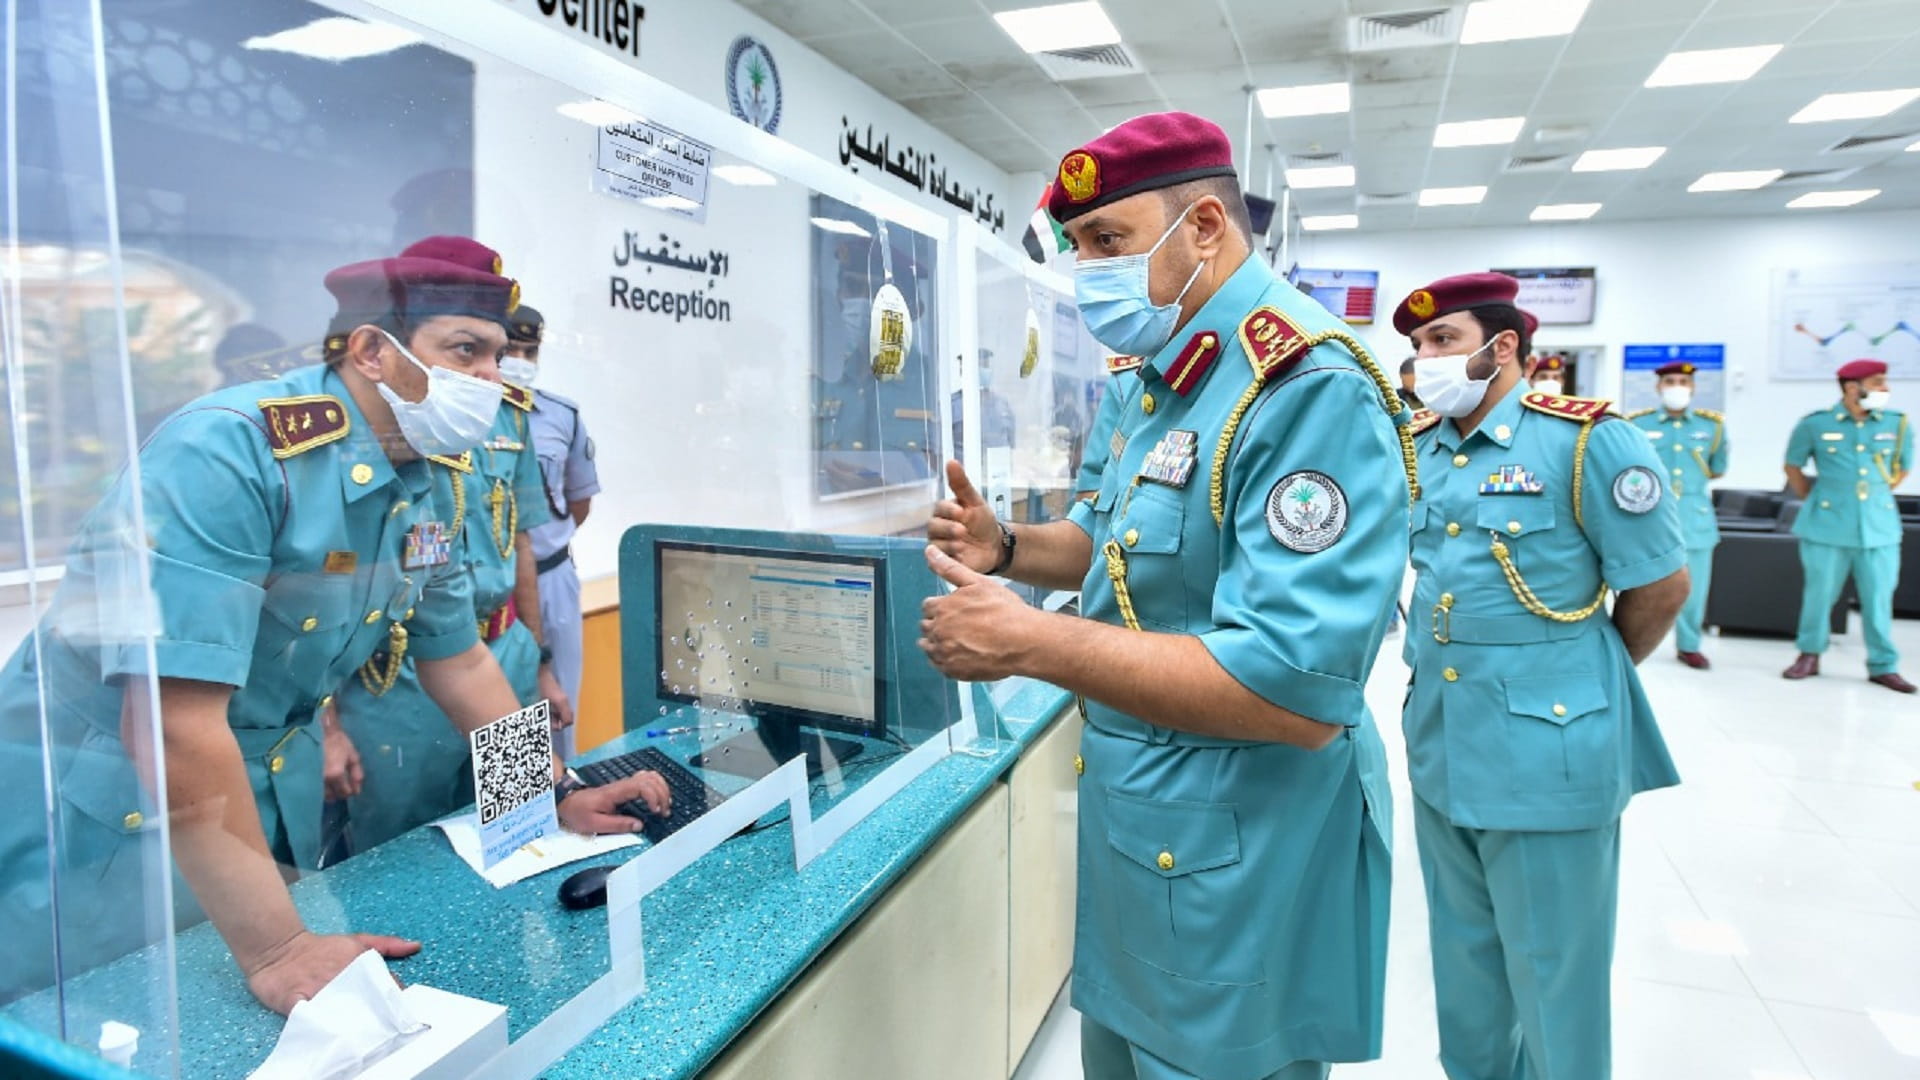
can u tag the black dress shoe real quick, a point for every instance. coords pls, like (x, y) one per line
(1892, 681)
(1807, 664)
(1696, 661)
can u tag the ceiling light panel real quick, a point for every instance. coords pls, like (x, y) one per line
(1699, 67)
(1319, 99)
(1330, 222)
(1863, 105)
(1059, 26)
(1626, 157)
(1565, 211)
(1326, 176)
(1452, 196)
(1738, 180)
(1513, 20)
(1826, 200)
(1496, 132)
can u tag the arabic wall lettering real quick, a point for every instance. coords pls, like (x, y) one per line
(920, 171)
(682, 304)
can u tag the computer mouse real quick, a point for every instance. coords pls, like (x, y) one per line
(586, 888)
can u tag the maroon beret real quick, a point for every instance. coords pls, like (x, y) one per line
(1678, 367)
(1449, 295)
(1145, 153)
(1549, 363)
(469, 253)
(1861, 369)
(1532, 324)
(410, 288)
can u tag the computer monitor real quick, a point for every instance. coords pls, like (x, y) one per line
(790, 638)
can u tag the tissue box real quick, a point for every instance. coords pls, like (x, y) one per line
(462, 1035)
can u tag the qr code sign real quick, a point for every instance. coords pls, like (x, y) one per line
(512, 762)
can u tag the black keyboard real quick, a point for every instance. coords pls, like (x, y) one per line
(691, 796)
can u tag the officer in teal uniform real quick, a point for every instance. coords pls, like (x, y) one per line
(1106, 417)
(1860, 451)
(392, 753)
(1237, 566)
(1527, 728)
(1692, 447)
(278, 523)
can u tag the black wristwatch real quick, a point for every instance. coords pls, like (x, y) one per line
(1007, 541)
(568, 783)
(546, 654)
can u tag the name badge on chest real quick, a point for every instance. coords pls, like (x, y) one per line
(1170, 462)
(1512, 480)
(427, 545)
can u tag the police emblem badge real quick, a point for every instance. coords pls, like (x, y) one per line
(1307, 512)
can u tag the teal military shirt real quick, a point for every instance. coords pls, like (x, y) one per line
(276, 538)
(415, 761)
(1100, 438)
(1851, 504)
(1232, 900)
(1515, 720)
(1692, 448)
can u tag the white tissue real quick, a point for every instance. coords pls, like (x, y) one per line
(354, 1021)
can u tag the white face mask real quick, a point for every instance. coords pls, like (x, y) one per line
(454, 417)
(1550, 386)
(1676, 398)
(1875, 400)
(518, 370)
(1442, 382)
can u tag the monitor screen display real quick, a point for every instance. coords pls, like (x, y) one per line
(772, 634)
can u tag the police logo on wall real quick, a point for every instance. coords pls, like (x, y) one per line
(1636, 490)
(753, 84)
(1307, 512)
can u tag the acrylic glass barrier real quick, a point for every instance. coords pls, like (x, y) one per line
(728, 352)
(84, 861)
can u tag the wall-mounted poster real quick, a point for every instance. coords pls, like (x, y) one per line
(1825, 316)
(1556, 295)
(1349, 294)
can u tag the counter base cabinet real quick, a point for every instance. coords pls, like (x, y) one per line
(1044, 830)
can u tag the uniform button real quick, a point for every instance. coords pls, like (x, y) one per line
(133, 820)
(1453, 528)
(1146, 404)
(1206, 341)
(326, 701)
(276, 764)
(409, 613)
(309, 623)
(1459, 460)
(1450, 675)
(1132, 537)
(1503, 432)
(1863, 472)
(1862, 448)
(1166, 860)
(1825, 505)
(373, 616)
(362, 473)
(1676, 472)
(1831, 450)
(1079, 765)
(1559, 710)
(1513, 527)
(1446, 599)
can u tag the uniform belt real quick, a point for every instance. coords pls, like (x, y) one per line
(494, 626)
(1457, 629)
(1120, 725)
(554, 561)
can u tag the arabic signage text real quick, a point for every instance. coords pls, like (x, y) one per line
(655, 165)
(918, 171)
(631, 255)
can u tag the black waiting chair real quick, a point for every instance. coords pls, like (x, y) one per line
(1756, 575)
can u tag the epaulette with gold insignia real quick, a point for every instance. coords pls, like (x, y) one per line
(517, 396)
(1638, 413)
(463, 463)
(1708, 414)
(1576, 409)
(1273, 342)
(1423, 421)
(1120, 365)
(1191, 365)
(296, 425)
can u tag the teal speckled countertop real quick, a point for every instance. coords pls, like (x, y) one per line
(723, 939)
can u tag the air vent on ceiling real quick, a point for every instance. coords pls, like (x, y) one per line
(1871, 142)
(1544, 163)
(1403, 29)
(1807, 177)
(1396, 198)
(1318, 161)
(1094, 62)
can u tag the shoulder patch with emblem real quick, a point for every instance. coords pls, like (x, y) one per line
(1120, 365)
(1273, 342)
(1636, 489)
(296, 425)
(517, 396)
(1307, 512)
(1424, 421)
(1191, 365)
(1567, 408)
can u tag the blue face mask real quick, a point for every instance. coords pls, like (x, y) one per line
(1116, 306)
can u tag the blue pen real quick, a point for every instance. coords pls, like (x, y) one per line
(662, 732)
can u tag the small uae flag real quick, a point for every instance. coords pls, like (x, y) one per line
(1044, 239)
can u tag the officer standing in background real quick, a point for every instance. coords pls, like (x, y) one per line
(1407, 394)
(1860, 451)
(1549, 375)
(569, 482)
(411, 765)
(1527, 728)
(1692, 448)
(1237, 566)
(280, 522)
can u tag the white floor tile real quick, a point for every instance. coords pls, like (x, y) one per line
(1666, 1032)
(1793, 867)
(1863, 812)
(1812, 955)
(1842, 1045)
